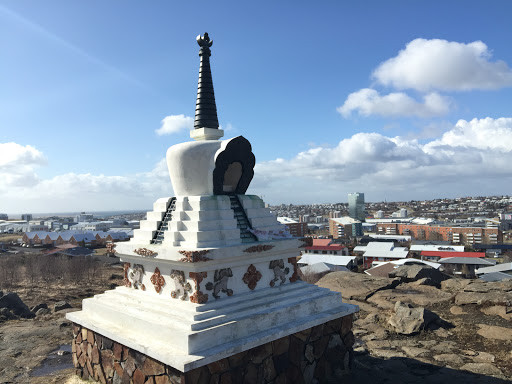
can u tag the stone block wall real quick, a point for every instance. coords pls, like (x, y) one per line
(323, 352)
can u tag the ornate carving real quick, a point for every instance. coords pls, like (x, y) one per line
(181, 286)
(110, 248)
(258, 248)
(194, 256)
(251, 277)
(198, 297)
(280, 271)
(307, 242)
(126, 280)
(145, 252)
(136, 275)
(295, 276)
(220, 282)
(158, 280)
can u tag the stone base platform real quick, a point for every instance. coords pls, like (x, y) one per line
(323, 352)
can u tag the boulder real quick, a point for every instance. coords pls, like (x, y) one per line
(449, 358)
(495, 332)
(13, 302)
(483, 298)
(408, 320)
(60, 305)
(454, 285)
(485, 287)
(422, 295)
(410, 273)
(356, 286)
(482, 369)
(498, 310)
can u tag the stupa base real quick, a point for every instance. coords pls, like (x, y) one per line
(322, 352)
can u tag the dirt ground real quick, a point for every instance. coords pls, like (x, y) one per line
(27, 346)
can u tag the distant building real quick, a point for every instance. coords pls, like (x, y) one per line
(345, 227)
(3, 216)
(438, 255)
(464, 266)
(455, 234)
(26, 217)
(381, 251)
(295, 228)
(356, 208)
(334, 214)
(326, 247)
(379, 215)
(84, 217)
(506, 221)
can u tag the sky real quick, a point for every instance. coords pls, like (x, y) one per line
(401, 100)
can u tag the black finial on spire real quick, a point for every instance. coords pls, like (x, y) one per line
(206, 109)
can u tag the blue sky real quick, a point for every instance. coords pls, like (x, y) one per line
(401, 100)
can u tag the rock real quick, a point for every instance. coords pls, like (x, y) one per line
(485, 287)
(422, 295)
(483, 357)
(442, 347)
(498, 310)
(428, 275)
(42, 311)
(6, 314)
(449, 358)
(13, 302)
(441, 332)
(494, 332)
(482, 369)
(480, 298)
(152, 367)
(414, 351)
(356, 286)
(455, 284)
(469, 352)
(38, 307)
(386, 353)
(456, 310)
(61, 305)
(409, 342)
(378, 344)
(408, 320)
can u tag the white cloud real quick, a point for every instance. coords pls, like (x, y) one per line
(469, 158)
(459, 163)
(445, 65)
(18, 164)
(369, 102)
(21, 189)
(14, 155)
(484, 134)
(175, 124)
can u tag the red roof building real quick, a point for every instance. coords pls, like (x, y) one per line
(436, 255)
(331, 249)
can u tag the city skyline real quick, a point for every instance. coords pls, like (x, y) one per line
(334, 98)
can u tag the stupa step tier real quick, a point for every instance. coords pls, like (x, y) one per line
(206, 221)
(189, 336)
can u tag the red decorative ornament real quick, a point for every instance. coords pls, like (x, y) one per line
(295, 276)
(198, 297)
(251, 277)
(158, 280)
(126, 280)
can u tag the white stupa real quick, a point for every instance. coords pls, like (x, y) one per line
(211, 272)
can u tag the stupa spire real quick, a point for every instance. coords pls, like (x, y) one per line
(206, 109)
